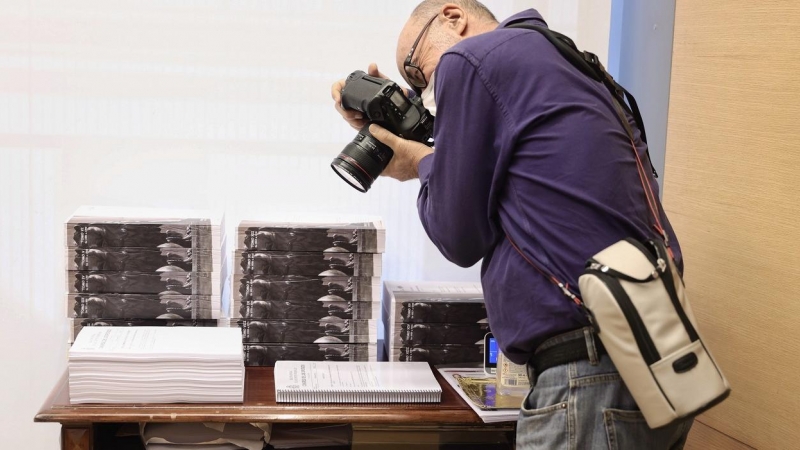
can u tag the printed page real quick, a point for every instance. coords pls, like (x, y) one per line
(422, 289)
(157, 343)
(354, 376)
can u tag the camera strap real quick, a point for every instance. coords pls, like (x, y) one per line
(589, 64)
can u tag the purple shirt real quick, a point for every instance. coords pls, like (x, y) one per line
(527, 145)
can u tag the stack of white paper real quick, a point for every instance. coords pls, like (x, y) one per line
(156, 365)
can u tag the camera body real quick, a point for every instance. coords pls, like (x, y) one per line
(382, 102)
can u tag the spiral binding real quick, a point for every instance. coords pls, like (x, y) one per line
(358, 396)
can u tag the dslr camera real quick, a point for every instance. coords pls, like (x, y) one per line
(382, 102)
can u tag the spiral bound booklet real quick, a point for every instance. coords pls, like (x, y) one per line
(355, 382)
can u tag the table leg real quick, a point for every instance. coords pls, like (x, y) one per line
(76, 437)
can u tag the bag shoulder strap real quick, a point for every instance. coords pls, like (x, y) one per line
(589, 64)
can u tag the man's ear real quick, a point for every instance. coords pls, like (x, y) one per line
(455, 19)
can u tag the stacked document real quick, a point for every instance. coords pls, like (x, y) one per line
(156, 365)
(142, 267)
(306, 287)
(355, 382)
(443, 323)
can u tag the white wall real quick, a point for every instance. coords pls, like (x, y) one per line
(216, 104)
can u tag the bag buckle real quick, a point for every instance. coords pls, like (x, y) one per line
(661, 267)
(596, 266)
(591, 58)
(565, 290)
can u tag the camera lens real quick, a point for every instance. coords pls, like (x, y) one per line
(362, 160)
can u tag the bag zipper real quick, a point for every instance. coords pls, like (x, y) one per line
(661, 267)
(640, 333)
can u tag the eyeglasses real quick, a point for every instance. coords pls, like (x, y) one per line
(413, 72)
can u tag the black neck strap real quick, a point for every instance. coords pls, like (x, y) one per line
(590, 65)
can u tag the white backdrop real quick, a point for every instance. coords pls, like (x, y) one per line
(216, 104)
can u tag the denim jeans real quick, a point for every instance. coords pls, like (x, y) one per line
(585, 405)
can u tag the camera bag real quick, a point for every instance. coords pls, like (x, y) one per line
(635, 298)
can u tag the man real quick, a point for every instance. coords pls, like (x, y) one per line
(528, 152)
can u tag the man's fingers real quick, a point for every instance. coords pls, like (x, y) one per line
(384, 136)
(336, 91)
(351, 116)
(372, 70)
(358, 124)
(348, 114)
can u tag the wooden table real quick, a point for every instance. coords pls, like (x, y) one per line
(78, 421)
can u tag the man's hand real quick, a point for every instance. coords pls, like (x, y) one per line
(407, 154)
(354, 118)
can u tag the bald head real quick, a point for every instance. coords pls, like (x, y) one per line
(439, 24)
(428, 8)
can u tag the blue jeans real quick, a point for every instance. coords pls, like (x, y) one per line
(585, 405)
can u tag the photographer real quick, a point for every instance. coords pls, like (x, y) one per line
(528, 152)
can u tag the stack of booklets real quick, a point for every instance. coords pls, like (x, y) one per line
(141, 267)
(437, 322)
(364, 382)
(156, 365)
(307, 288)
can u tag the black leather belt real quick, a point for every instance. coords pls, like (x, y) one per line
(563, 353)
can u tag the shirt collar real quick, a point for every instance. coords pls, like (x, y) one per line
(528, 14)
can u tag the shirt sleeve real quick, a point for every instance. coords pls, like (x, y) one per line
(459, 179)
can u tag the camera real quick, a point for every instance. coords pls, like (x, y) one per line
(381, 102)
